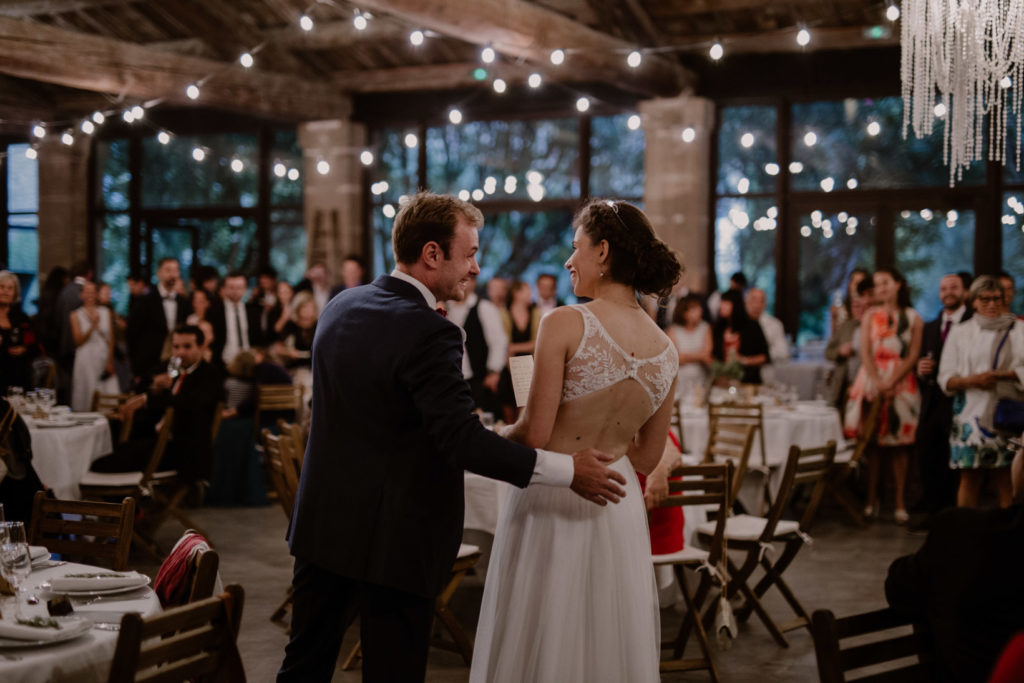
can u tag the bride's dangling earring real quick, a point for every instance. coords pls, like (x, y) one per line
(601, 274)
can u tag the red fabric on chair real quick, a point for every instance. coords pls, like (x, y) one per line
(175, 575)
(666, 524)
(1010, 667)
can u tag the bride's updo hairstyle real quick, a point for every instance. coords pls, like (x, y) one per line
(637, 257)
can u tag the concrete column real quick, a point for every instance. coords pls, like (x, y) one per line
(63, 202)
(677, 181)
(333, 201)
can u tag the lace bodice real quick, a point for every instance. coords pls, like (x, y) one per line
(599, 362)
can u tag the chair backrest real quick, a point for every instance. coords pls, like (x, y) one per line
(44, 373)
(676, 422)
(803, 466)
(283, 475)
(108, 404)
(706, 484)
(218, 417)
(104, 531)
(189, 572)
(874, 647)
(162, 439)
(195, 641)
(297, 434)
(277, 398)
(740, 414)
(731, 442)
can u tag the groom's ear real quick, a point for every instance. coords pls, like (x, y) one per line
(431, 254)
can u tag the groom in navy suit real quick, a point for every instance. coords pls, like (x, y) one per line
(378, 516)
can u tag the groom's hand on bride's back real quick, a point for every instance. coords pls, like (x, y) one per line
(593, 480)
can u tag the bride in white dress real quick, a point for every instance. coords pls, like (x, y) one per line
(570, 594)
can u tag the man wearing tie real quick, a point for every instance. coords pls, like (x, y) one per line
(153, 317)
(938, 481)
(235, 327)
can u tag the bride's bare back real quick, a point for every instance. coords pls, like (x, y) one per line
(602, 374)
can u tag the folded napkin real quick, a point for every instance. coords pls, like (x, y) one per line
(41, 628)
(38, 552)
(97, 581)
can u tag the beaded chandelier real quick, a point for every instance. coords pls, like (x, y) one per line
(972, 53)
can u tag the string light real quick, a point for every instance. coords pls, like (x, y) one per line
(874, 128)
(293, 174)
(88, 127)
(323, 167)
(359, 21)
(388, 210)
(416, 38)
(499, 86)
(31, 153)
(633, 122)
(582, 104)
(366, 157)
(67, 138)
(237, 166)
(163, 137)
(98, 117)
(138, 112)
(246, 60)
(534, 80)
(689, 134)
(128, 116)
(306, 23)
(747, 140)
(39, 131)
(892, 13)
(487, 55)
(280, 170)
(478, 194)
(192, 91)
(557, 57)
(455, 116)
(411, 140)
(810, 138)
(634, 59)
(198, 153)
(803, 37)
(716, 51)
(940, 110)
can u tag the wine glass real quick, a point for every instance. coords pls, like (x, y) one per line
(47, 399)
(15, 396)
(174, 367)
(15, 560)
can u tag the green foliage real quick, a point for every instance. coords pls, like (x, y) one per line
(730, 371)
(737, 162)
(173, 178)
(926, 249)
(616, 158)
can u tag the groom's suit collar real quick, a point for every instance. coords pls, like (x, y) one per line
(409, 287)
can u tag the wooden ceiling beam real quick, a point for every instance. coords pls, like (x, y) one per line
(725, 6)
(336, 34)
(841, 38)
(77, 60)
(428, 77)
(31, 8)
(524, 30)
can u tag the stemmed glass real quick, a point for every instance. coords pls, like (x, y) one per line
(15, 560)
(47, 399)
(174, 367)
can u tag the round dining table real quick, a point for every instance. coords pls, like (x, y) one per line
(63, 449)
(85, 659)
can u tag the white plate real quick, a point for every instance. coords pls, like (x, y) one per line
(43, 424)
(76, 627)
(94, 593)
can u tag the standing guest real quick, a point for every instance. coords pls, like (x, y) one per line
(663, 309)
(980, 355)
(316, 283)
(44, 322)
(206, 278)
(890, 346)
(737, 283)
(296, 342)
(521, 321)
(353, 274)
(692, 336)
(497, 292)
(844, 311)
(1009, 290)
(263, 302)
(104, 297)
(774, 333)
(69, 299)
(149, 326)
(200, 318)
(844, 351)
(18, 345)
(737, 338)
(93, 330)
(547, 294)
(486, 346)
(377, 524)
(938, 481)
(282, 312)
(234, 326)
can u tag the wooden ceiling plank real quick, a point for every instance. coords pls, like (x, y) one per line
(336, 34)
(44, 53)
(31, 8)
(521, 29)
(838, 38)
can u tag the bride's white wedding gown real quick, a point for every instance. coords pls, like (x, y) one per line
(570, 595)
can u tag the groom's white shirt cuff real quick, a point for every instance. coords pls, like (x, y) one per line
(552, 469)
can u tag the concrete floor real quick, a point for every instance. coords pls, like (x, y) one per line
(843, 570)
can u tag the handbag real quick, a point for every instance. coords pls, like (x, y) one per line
(1008, 415)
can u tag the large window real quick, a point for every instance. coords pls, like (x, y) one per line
(20, 218)
(524, 175)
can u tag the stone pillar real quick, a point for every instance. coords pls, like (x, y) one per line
(333, 201)
(677, 182)
(63, 202)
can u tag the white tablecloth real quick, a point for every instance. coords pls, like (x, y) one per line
(81, 660)
(808, 376)
(62, 455)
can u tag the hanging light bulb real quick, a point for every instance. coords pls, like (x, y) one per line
(306, 23)
(803, 37)
(246, 60)
(534, 80)
(31, 153)
(128, 116)
(88, 127)
(455, 116)
(67, 138)
(192, 91)
(163, 137)
(582, 104)
(237, 166)
(557, 57)
(138, 112)
(280, 170)
(892, 13)
(716, 51)
(359, 21)
(293, 174)
(411, 140)
(633, 122)
(487, 55)
(198, 153)
(499, 85)
(323, 167)
(98, 117)
(416, 37)
(39, 131)
(366, 157)
(689, 134)
(634, 59)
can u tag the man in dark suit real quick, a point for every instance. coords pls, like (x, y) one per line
(155, 314)
(236, 327)
(965, 584)
(68, 301)
(938, 480)
(378, 517)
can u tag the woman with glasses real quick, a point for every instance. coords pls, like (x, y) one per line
(978, 367)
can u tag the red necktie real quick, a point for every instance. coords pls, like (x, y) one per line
(440, 309)
(945, 328)
(178, 382)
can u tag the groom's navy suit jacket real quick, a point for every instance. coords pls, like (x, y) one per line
(381, 493)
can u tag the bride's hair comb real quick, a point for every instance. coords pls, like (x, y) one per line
(615, 208)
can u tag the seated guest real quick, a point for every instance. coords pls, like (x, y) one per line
(282, 311)
(316, 284)
(774, 333)
(193, 394)
(965, 584)
(296, 341)
(18, 345)
(737, 338)
(737, 283)
(263, 301)
(844, 350)
(246, 372)
(18, 481)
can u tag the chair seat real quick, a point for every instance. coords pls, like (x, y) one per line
(748, 528)
(465, 550)
(116, 479)
(684, 556)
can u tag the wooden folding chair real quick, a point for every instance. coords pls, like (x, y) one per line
(730, 442)
(276, 398)
(677, 422)
(103, 532)
(193, 642)
(733, 413)
(280, 459)
(846, 463)
(201, 575)
(896, 648)
(108, 405)
(709, 484)
(756, 534)
(467, 558)
(297, 434)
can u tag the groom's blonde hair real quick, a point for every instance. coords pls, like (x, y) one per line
(428, 217)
